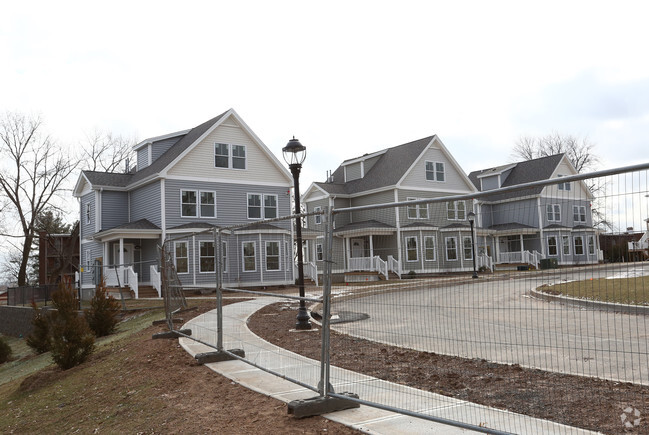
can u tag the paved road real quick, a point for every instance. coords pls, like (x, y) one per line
(496, 320)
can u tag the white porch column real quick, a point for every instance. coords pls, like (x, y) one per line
(348, 251)
(121, 260)
(371, 246)
(497, 249)
(522, 247)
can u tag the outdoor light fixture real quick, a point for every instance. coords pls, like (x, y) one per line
(471, 217)
(294, 154)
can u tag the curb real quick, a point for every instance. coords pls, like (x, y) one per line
(639, 310)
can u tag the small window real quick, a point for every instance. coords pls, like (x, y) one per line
(272, 255)
(591, 245)
(563, 186)
(181, 257)
(456, 210)
(270, 206)
(468, 248)
(417, 211)
(249, 257)
(553, 212)
(318, 252)
(188, 203)
(565, 245)
(88, 213)
(429, 248)
(579, 213)
(451, 248)
(208, 204)
(411, 248)
(254, 206)
(552, 246)
(221, 155)
(88, 260)
(238, 157)
(435, 171)
(206, 257)
(579, 245)
(318, 217)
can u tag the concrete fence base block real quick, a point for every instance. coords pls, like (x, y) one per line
(321, 405)
(172, 334)
(218, 356)
(164, 321)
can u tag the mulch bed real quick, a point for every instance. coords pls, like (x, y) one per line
(588, 403)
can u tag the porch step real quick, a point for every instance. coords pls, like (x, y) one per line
(362, 276)
(514, 266)
(147, 291)
(114, 292)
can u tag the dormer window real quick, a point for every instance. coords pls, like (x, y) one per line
(435, 171)
(564, 186)
(229, 156)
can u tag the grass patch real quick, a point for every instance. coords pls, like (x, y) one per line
(630, 291)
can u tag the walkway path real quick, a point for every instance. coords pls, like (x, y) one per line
(307, 371)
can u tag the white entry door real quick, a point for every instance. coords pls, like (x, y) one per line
(128, 253)
(358, 248)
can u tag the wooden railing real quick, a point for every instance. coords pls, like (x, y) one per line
(156, 283)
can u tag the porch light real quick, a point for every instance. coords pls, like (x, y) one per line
(471, 217)
(294, 154)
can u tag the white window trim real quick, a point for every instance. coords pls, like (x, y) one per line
(319, 252)
(455, 210)
(317, 219)
(418, 208)
(221, 155)
(230, 156)
(176, 257)
(195, 203)
(464, 239)
(279, 256)
(562, 245)
(556, 246)
(200, 242)
(579, 209)
(457, 257)
(552, 212)
(243, 257)
(565, 185)
(583, 248)
(435, 180)
(416, 249)
(224, 257)
(593, 245)
(263, 205)
(200, 204)
(433, 238)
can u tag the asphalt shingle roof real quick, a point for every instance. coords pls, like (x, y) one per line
(387, 171)
(363, 225)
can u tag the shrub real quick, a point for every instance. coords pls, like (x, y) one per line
(103, 314)
(5, 350)
(71, 337)
(39, 339)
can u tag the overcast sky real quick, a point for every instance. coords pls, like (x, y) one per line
(345, 78)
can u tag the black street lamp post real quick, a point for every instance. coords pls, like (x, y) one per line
(294, 154)
(471, 217)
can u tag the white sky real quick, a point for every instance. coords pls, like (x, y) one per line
(345, 78)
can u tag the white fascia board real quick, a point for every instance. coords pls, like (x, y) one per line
(226, 180)
(109, 235)
(503, 201)
(158, 138)
(263, 231)
(423, 189)
(363, 158)
(555, 174)
(423, 228)
(311, 187)
(78, 190)
(490, 174)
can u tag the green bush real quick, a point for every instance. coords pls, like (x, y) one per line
(5, 350)
(71, 337)
(103, 314)
(39, 339)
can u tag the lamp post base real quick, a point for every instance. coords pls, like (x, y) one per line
(302, 319)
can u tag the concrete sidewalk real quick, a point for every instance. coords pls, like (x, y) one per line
(365, 418)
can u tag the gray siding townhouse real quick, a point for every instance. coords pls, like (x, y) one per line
(423, 238)
(526, 226)
(218, 173)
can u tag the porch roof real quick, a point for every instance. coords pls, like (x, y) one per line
(510, 229)
(364, 228)
(142, 229)
(260, 227)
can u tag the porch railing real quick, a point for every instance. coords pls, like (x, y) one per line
(155, 279)
(394, 266)
(483, 260)
(381, 266)
(127, 277)
(131, 280)
(510, 257)
(310, 271)
(370, 264)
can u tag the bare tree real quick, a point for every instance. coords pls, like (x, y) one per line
(106, 152)
(580, 152)
(32, 171)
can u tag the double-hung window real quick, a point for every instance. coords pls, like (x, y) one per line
(456, 210)
(435, 171)
(579, 213)
(255, 209)
(565, 245)
(591, 245)
(229, 156)
(411, 248)
(208, 204)
(206, 260)
(272, 255)
(468, 248)
(553, 212)
(451, 248)
(190, 207)
(429, 248)
(579, 245)
(552, 246)
(564, 186)
(417, 211)
(318, 252)
(318, 217)
(249, 257)
(181, 257)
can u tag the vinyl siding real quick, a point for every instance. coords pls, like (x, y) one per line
(96, 251)
(489, 183)
(145, 203)
(353, 172)
(454, 181)
(114, 210)
(342, 219)
(199, 162)
(143, 158)
(385, 215)
(311, 206)
(160, 147)
(231, 202)
(87, 229)
(436, 211)
(369, 163)
(567, 219)
(523, 212)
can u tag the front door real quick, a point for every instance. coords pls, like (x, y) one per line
(358, 248)
(128, 254)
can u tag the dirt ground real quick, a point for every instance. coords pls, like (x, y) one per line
(147, 386)
(573, 400)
